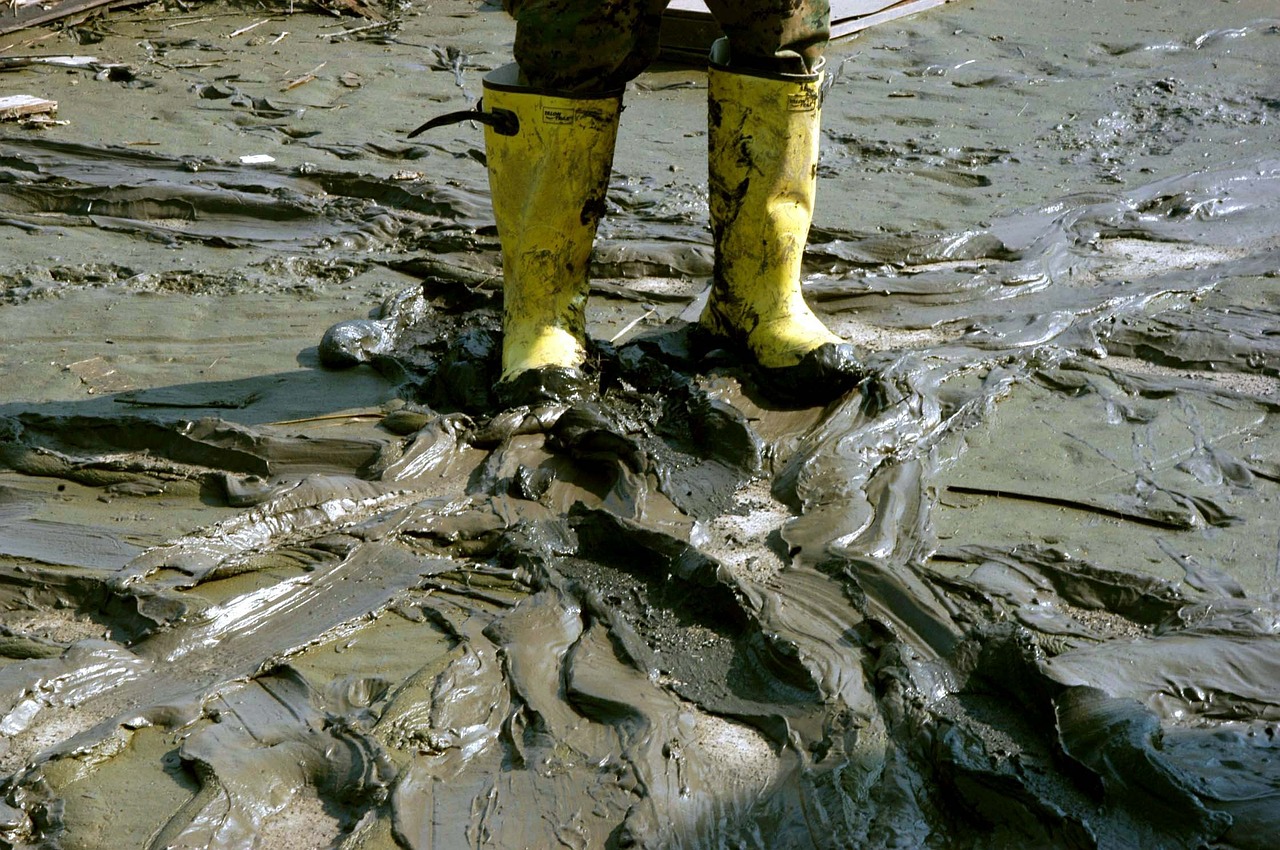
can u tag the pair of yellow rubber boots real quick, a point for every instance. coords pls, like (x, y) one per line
(549, 160)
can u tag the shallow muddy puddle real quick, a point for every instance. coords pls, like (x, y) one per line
(1018, 590)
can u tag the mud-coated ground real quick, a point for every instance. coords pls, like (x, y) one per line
(1022, 589)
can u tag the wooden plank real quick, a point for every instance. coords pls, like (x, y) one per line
(15, 106)
(850, 25)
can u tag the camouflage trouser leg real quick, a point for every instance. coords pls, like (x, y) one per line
(774, 36)
(599, 45)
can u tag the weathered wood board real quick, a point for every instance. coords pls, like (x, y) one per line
(15, 106)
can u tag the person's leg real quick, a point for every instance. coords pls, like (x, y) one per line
(549, 162)
(764, 105)
(585, 45)
(774, 36)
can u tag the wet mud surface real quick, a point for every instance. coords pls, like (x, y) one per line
(264, 587)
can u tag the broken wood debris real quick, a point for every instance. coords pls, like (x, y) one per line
(10, 63)
(304, 79)
(188, 22)
(359, 8)
(249, 28)
(117, 71)
(20, 106)
(29, 14)
(366, 28)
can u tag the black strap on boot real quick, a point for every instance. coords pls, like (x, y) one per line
(503, 121)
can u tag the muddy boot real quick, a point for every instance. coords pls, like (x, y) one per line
(549, 160)
(763, 158)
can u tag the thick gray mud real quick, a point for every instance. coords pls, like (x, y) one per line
(267, 587)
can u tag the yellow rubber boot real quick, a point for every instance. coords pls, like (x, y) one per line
(549, 159)
(763, 158)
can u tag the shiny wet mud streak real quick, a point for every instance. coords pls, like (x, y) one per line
(1019, 590)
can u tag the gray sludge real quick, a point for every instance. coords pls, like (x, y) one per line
(1021, 589)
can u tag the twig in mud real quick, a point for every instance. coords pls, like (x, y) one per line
(630, 326)
(189, 23)
(305, 78)
(186, 66)
(278, 38)
(30, 41)
(381, 25)
(253, 26)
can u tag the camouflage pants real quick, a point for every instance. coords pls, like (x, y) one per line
(599, 45)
